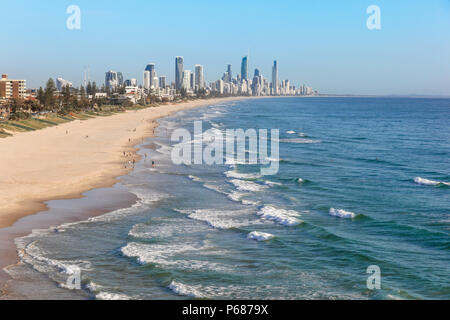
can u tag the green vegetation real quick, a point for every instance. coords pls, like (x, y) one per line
(51, 108)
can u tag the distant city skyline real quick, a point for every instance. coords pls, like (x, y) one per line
(327, 47)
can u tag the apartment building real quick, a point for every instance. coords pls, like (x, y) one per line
(12, 89)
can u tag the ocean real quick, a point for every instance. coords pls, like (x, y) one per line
(362, 182)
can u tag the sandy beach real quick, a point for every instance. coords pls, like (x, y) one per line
(64, 162)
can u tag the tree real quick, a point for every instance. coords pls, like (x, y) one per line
(49, 94)
(66, 96)
(183, 92)
(89, 88)
(41, 96)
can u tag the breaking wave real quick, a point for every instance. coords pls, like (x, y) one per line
(260, 236)
(342, 213)
(428, 182)
(281, 216)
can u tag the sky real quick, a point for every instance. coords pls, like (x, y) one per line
(324, 44)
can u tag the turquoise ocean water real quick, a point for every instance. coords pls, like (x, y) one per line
(362, 181)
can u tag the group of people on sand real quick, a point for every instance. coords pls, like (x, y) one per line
(132, 163)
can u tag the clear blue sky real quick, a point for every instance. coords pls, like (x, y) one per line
(324, 44)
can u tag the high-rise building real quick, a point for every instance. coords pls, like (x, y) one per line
(192, 81)
(147, 80)
(162, 81)
(257, 73)
(219, 86)
(275, 84)
(111, 79)
(186, 79)
(120, 78)
(199, 77)
(151, 68)
(179, 69)
(244, 68)
(61, 83)
(12, 89)
(130, 82)
(230, 73)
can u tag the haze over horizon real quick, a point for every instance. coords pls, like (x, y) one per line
(326, 46)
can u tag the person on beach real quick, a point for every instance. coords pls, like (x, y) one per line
(153, 163)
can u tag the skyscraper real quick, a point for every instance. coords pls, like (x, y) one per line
(244, 68)
(230, 73)
(275, 84)
(151, 68)
(179, 69)
(199, 77)
(120, 78)
(192, 82)
(147, 80)
(111, 79)
(186, 80)
(257, 73)
(162, 82)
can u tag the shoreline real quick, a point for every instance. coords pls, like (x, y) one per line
(69, 145)
(23, 215)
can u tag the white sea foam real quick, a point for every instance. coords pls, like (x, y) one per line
(58, 270)
(112, 296)
(236, 196)
(219, 219)
(250, 202)
(168, 255)
(300, 180)
(233, 162)
(271, 183)
(247, 185)
(281, 216)
(165, 228)
(300, 141)
(273, 159)
(290, 132)
(194, 178)
(101, 294)
(184, 290)
(427, 182)
(342, 213)
(260, 236)
(163, 148)
(216, 188)
(238, 175)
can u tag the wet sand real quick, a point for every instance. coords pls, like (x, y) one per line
(54, 172)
